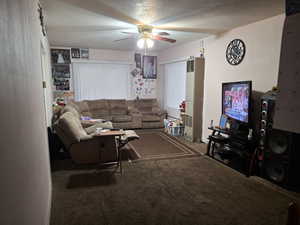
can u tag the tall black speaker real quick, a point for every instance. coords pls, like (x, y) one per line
(281, 149)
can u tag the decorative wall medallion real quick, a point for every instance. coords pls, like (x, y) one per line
(235, 52)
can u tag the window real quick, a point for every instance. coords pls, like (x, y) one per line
(100, 81)
(174, 85)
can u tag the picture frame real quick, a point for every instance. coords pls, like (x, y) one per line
(75, 53)
(61, 71)
(60, 56)
(62, 84)
(138, 60)
(149, 67)
(223, 121)
(84, 53)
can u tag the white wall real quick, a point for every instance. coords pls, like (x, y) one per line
(119, 57)
(111, 55)
(24, 163)
(261, 63)
(128, 57)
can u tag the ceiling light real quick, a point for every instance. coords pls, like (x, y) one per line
(145, 43)
(149, 43)
(141, 43)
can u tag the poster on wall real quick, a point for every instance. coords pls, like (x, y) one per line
(62, 84)
(61, 71)
(84, 53)
(149, 67)
(138, 60)
(75, 52)
(60, 56)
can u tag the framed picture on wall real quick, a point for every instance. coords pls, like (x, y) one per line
(75, 52)
(61, 71)
(60, 56)
(62, 84)
(138, 60)
(84, 53)
(149, 67)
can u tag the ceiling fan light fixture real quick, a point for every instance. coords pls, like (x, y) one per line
(145, 43)
(149, 43)
(141, 43)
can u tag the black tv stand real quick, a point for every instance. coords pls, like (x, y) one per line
(227, 144)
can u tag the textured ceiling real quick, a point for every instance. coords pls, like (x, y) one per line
(97, 23)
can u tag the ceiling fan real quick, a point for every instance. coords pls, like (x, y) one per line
(146, 36)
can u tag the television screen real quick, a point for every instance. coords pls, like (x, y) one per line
(236, 100)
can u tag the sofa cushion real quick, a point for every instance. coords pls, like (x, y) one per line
(150, 118)
(71, 103)
(99, 113)
(145, 109)
(146, 102)
(118, 111)
(71, 109)
(87, 114)
(118, 107)
(98, 104)
(96, 115)
(82, 106)
(72, 127)
(121, 118)
(117, 103)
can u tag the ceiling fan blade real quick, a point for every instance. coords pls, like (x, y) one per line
(123, 39)
(83, 28)
(159, 38)
(191, 30)
(163, 33)
(103, 9)
(124, 32)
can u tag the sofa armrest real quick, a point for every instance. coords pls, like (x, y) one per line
(159, 111)
(86, 137)
(86, 123)
(89, 123)
(93, 129)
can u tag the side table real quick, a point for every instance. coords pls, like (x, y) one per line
(115, 135)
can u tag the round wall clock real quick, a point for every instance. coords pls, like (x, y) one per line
(235, 52)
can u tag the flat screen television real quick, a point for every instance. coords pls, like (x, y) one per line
(236, 100)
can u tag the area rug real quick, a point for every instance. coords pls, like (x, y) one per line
(159, 145)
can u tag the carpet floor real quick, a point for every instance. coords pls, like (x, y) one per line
(190, 191)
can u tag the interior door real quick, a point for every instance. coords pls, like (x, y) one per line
(46, 87)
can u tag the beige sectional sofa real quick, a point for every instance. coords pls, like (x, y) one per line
(78, 136)
(124, 114)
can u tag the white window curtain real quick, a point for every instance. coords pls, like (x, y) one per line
(174, 85)
(101, 81)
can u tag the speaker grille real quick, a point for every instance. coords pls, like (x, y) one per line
(278, 142)
(276, 170)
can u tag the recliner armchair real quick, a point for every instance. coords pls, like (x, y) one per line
(83, 146)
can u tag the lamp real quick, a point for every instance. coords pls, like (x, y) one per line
(145, 43)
